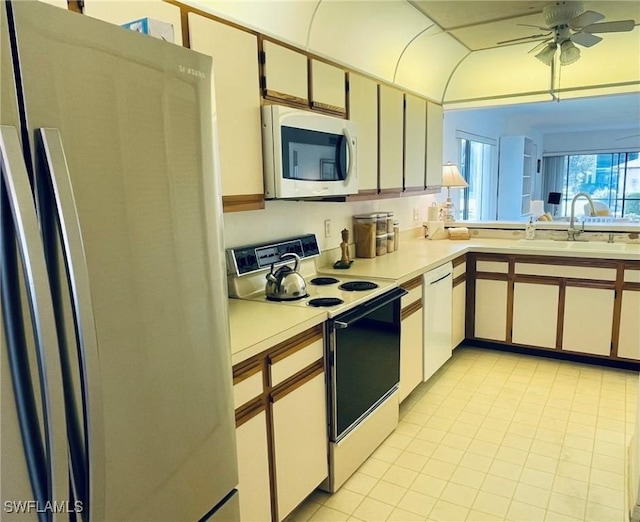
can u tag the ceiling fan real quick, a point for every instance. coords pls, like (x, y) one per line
(567, 24)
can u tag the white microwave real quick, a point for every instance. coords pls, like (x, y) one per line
(308, 155)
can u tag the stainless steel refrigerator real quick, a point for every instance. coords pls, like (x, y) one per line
(116, 388)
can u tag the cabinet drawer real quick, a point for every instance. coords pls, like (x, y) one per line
(247, 386)
(415, 294)
(573, 272)
(286, 364)
(460, 269)
(500, 267)
(632, 276)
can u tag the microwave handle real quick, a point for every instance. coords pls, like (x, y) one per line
(351, 158)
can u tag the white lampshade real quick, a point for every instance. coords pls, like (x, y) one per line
(547, 54)
(569, 53)
(451, 176)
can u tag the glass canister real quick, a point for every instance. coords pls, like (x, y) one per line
(381, 223)
(390, 221)
(381, 244)
(396, 235)
(391, 241)
(364, 232)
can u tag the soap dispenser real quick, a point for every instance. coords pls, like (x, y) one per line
(530, 230)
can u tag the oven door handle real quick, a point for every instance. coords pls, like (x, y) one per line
(347, 319)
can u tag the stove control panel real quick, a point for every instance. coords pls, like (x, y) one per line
(253, 258)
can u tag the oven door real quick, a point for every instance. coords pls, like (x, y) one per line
(364, 360)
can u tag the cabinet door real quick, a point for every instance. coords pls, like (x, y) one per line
(434, 144)
(592, 307)
(415, 132)
(491, 309)
(459, 303)
(390, 139)
(299, 441)
(122, 12)
(535, 314)
(629, 340)
(410, 353)
(285, 73)
(327, 87)
(363, 110)
(253, 468)
(237, 103)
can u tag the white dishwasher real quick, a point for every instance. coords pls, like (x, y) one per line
(437, 318)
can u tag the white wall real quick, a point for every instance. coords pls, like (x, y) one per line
(282, 219)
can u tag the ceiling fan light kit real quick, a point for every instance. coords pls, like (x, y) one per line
(569, 24)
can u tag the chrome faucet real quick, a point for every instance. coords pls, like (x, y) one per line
(572, 232)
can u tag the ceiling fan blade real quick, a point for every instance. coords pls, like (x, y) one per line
(627, 137)
(585, 39)
(533, 37)
(536, 26)
(619, 26)
(584, 19)
(539, 46)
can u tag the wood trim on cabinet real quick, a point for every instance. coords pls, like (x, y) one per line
(617, 310)
(495, 276)
(246, 369)
(390, 191)
(470, 309)
(510, 298)
(565, 261)
(77, 6)
(462, 278)
(249, 411)
(412, 283)
(634, 287)
(296, 343)
(410, 309)
(241, 202)
(562, 297)
(537, 279)
(293, 383)
(590, 283)
(327, 108)
(294, 101)
(459, 260)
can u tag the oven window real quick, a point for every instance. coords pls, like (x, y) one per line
(366, 364)
(312, 155)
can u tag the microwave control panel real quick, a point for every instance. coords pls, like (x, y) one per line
(253, 258)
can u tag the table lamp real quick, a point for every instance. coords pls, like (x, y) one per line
(451, 177)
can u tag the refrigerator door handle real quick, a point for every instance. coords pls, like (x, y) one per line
(86, 336)
(29, 243)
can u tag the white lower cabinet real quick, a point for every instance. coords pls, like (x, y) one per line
(281, 426)
(491, 309)
(588, 316)
(458, 305)
(253, 468)
(535, 314)
(300, 442)
(411, 338)
(629, 339)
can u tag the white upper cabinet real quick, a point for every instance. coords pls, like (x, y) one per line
(328, 87)
(237, 104)
(391, 122)
(122, 12)
(515, 177)
(285, 73)
(363, 110)
(434, 144)
(415, 132)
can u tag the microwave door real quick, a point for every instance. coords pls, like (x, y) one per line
(345, 157)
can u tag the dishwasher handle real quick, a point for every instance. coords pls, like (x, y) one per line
(438, 280)
(348, 318)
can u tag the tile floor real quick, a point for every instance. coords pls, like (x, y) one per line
(498, 436)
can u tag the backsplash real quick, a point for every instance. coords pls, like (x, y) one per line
(282, 219)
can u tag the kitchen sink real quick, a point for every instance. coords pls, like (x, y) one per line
(546, 244)
(596, 246)
(587, 246)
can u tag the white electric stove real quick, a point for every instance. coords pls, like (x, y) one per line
(247, 268)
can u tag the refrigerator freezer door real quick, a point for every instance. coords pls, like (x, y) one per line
(134, 116)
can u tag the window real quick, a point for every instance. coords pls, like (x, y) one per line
(476, 165)
(612, 179)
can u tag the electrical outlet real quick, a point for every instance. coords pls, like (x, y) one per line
(416, 214)
(327, 228)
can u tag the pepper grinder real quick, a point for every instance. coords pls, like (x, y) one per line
(344, 261)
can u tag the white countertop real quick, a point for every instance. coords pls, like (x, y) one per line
(257, 326)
